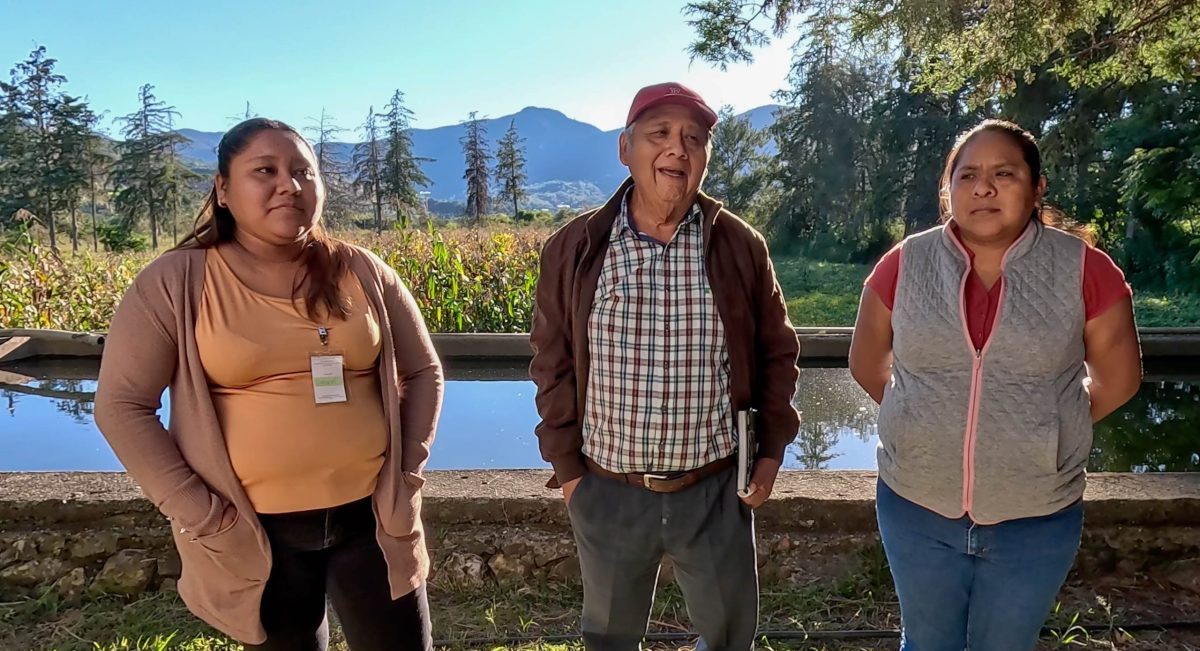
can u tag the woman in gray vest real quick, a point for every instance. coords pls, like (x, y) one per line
(992, 343)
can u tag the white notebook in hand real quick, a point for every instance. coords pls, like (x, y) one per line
(747, 449)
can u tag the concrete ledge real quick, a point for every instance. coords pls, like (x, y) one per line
(840, 501)
(816, 344)
(82, 534)
(28, 343)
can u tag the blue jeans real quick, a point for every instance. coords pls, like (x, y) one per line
(969, 586)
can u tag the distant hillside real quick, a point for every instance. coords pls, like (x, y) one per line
(568, 161)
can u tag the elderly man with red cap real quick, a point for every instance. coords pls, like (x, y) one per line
(658, 320)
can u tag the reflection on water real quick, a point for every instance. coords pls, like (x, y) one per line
(837, 424)
(488, 419)
(70, 397)
(1158, 430)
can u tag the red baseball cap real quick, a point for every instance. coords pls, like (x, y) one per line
(670, 93)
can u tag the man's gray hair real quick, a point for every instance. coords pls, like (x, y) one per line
(628, 131)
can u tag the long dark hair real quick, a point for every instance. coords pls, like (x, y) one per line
(1043, 212)
(326, 259)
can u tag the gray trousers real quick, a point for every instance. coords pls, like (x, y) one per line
(623, 532)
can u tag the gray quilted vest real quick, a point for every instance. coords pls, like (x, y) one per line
(1000, 433)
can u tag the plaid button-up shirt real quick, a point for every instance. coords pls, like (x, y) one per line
(658, 395)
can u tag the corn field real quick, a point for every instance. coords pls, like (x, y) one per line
(465, 280)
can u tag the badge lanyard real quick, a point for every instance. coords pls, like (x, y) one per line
(328, 377)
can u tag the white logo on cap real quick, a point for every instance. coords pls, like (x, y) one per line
(674, 90)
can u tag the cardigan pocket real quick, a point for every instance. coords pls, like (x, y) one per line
(405, 518)
(235, 550)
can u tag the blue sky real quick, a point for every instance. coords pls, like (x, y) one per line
(448, 56)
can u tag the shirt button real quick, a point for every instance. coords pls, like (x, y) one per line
(664, 409)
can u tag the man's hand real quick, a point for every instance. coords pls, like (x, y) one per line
(568, 489)
(762, 481)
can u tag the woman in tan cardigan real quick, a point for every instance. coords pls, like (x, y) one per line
(304, 394)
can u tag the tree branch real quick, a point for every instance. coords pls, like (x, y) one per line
(1122, 35)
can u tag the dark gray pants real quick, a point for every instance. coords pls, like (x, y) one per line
(622, 533)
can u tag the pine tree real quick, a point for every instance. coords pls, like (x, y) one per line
(402, 173)
(144, 173)
(368, 167)
(478, 161)
(36, 92)
(510, 167)
(72, 124)
(99, 162)
(338, 198)
(323, 131)
(43, 142)
(738, 169)
(246, 115)
(14, 182)
(179, 181)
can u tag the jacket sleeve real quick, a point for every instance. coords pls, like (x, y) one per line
(139, 361)
(560, 435)
(418, 370)
(776, 347)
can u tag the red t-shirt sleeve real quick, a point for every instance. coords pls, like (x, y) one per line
(1103, 283)
(885, 275)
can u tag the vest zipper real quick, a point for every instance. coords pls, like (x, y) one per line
(972, 426)
(969, 437)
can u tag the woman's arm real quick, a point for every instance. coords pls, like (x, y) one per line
(419, 371)
(1113, 358)
(139, 361)
(871, 345)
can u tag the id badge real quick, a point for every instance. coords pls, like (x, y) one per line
(328, 378)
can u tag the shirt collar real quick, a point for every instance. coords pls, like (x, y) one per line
(624, 220)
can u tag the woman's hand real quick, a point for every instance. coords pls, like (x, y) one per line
(228, 517)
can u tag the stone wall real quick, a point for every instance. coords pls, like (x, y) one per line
(816, 343)
(82, 534)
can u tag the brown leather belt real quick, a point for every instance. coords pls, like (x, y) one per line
(665, 482)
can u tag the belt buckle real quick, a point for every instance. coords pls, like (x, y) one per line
(647, 477)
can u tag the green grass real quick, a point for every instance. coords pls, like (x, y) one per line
(154, 623)
(1161, 310)
(820, 293)
(463, 617)
(482, 617)
(826, 294)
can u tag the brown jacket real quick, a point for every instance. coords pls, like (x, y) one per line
(185, 469)
(762, 344)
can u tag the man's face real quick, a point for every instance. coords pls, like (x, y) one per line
(667, 153)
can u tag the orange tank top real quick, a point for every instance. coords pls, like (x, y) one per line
(290, 453)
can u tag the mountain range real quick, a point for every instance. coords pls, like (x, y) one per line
(567, 161)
